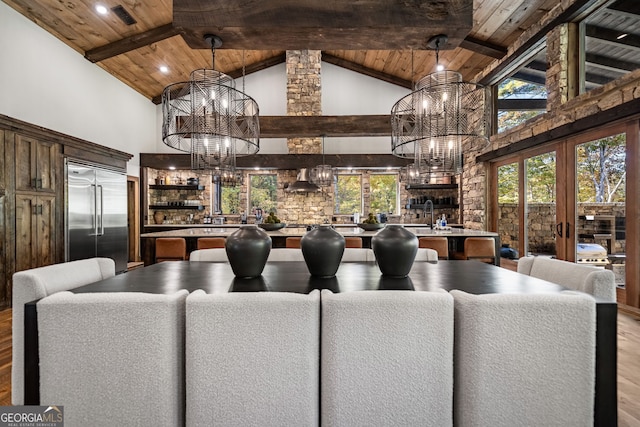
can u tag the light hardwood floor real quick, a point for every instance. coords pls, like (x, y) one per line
(628, 366)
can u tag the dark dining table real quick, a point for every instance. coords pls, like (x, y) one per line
(468, 276)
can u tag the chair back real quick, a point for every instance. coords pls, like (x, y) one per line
(113, 358)
(211, 242)
(211, 255)
(426, 254)
(358, 255)
(480, 248)
(171, 249)
(377, 344)
(292, 242)
(285, 254)
(595, 281)
(37, 283)
(353, 242)
(438, 243)
(524, 359)
(252, 359)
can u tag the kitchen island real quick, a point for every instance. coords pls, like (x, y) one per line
(455, 236)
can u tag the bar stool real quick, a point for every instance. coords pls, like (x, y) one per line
(439, 244)
(353, 242)
(171, 249)
(292, 242)
(480, 248)
(211, 242)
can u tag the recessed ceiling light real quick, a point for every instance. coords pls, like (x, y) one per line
(172, 168)
(164, 69)
(621, 36)
(101, 9)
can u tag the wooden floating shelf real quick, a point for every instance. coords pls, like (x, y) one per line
(176, 187)
(430, 186)
(165, 207)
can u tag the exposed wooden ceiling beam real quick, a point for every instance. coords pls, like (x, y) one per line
(522, 104)
(324, 25)
(316, 126)
(128, 44)
(483, 47)
(279, 161)
(366, 71)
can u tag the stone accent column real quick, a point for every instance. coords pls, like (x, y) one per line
(558, 73)
(304, 95)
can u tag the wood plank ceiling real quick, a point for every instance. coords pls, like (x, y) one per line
(134, 53)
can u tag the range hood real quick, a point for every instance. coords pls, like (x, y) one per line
(302, 184)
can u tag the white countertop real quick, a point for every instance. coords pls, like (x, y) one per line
(344, 229)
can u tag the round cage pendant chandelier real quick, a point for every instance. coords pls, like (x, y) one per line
(431, 124)
(322, 175)
(210, 119)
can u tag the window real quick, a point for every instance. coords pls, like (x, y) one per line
(230, 199)
(263, 193)
(383, 193)
(609, 39)
(348, 194)
(523, 94)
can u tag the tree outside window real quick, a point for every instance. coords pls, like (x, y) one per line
(383, 195)
(263, 193)
(230, 199)
(348, 194)
(601, 170)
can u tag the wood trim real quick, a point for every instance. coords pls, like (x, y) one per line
(565, 202)
(133, 216)
(632, 266)
(278, 161)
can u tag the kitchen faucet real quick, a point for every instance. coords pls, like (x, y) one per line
(424, 210)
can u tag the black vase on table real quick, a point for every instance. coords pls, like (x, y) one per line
(395, 249)
(322, 249)
(248, 249)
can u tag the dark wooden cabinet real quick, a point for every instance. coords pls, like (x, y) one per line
(36, 234)
(32, 194)
(39, 162)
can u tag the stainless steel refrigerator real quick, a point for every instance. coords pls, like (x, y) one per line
(96, 214)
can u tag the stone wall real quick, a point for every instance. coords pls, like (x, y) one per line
(542, 220)
(304, 95)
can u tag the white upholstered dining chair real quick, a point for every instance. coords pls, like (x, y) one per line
(113, 359)
(33, 284)
(252, 359)
(211, 255)
(386, 358)
(595, 281)
(524, 359)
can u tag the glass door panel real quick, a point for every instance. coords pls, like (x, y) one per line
(540, 204)
(508, 209)
(600, 209)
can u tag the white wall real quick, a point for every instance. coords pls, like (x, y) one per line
(46, 83)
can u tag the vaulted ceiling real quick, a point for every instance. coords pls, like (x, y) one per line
(386, 39)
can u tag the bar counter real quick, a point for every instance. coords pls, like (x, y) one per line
(191, 234)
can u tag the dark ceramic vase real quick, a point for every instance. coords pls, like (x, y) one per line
(395, 248)
(322, 249)
(248, 249)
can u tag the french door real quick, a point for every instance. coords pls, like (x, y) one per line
(576, 199)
